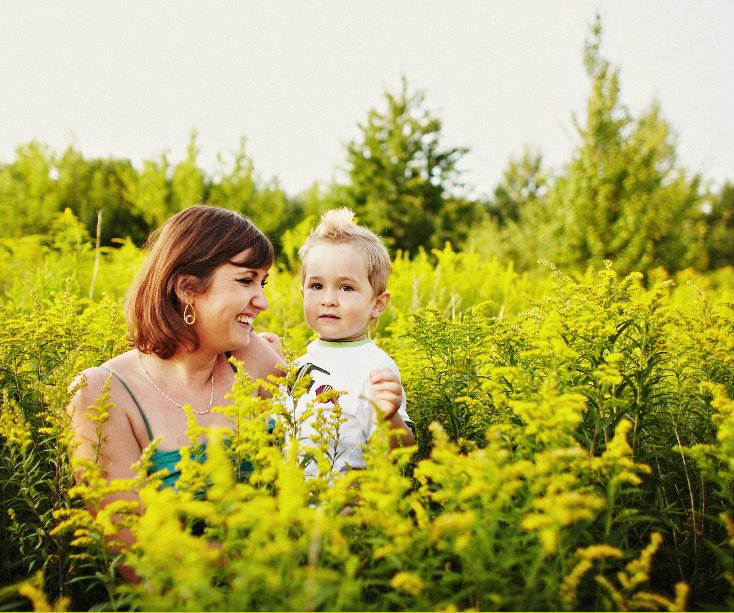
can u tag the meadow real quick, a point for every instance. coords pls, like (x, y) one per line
(575, 449)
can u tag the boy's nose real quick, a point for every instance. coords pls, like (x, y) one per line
(329, 297)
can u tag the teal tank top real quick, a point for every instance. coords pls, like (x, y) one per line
(169, 459)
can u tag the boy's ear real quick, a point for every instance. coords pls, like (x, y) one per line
(380, 305)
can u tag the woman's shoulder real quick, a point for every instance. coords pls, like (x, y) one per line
(92, 380)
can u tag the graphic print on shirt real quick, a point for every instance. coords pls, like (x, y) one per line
(307, 369)
(354, 430)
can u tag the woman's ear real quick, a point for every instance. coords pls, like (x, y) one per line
(380, 305)
(184, 286)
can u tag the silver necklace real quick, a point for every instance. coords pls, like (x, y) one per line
(171, 400)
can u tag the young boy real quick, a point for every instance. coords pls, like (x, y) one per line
(344, 272)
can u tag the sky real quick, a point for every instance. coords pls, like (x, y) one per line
(295, 78)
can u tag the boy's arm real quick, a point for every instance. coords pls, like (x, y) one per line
(387, 394)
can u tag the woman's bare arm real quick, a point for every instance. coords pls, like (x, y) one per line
(111, 444)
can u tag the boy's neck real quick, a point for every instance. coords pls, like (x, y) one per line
(353, 342)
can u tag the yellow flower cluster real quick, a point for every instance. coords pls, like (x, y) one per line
(617, 459)
(552, 420)
(33, 591)
(14, 427)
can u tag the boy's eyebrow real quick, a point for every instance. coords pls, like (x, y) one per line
(339, 278)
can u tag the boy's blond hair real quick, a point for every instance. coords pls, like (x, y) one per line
(337, 227)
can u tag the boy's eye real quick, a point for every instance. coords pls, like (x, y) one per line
(316, 286)
(346, 288)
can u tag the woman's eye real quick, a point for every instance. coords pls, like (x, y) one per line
(263, 283)
(245, 281)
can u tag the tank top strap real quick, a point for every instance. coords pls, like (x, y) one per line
(228, 354)
(135, 400)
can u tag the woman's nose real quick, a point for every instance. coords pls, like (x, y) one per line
(260, 301)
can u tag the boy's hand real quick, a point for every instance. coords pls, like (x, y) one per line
(387, 393)
(273, 340)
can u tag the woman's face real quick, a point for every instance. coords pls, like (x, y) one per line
(225, 312)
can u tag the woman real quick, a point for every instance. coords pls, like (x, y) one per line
(192, 306)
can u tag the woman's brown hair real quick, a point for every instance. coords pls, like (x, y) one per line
(191, 243)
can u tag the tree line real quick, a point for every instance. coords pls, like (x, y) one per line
(623, 196)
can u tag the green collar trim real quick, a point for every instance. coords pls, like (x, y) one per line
(343, 344)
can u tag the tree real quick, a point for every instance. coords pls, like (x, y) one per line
(520, 224)
(29, 200)
(524, 183)
(187, 181)
(718, 217)
(240, 189)
(623, 197)
(90, 186)
(402, 179)
(148, 190)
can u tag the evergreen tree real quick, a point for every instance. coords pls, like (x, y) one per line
(524, 183)
(520, 224)
(403, 180)
(623, 197)
(718, 218)
(187, 181)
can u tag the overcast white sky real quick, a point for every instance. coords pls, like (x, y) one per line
(132, 79)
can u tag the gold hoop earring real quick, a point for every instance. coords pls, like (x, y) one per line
(189, 317)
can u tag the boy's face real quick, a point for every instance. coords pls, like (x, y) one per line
(338, 300)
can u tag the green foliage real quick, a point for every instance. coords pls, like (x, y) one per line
(147, 191)
(91, 187)
(42, 347)
(187, 180)
(575, 433)
(403, 181)
(114, 199)
(719, 224)
(622, 197)
(523, 184)
(521, 226)
(574, 453)
(45, 265)
(28, 200)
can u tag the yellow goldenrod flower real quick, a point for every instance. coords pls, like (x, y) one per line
(32, 590)
(571, 582)
(407, 582)
(14, 427)
(599, 552)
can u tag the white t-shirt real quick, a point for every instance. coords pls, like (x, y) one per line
(344, 367)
